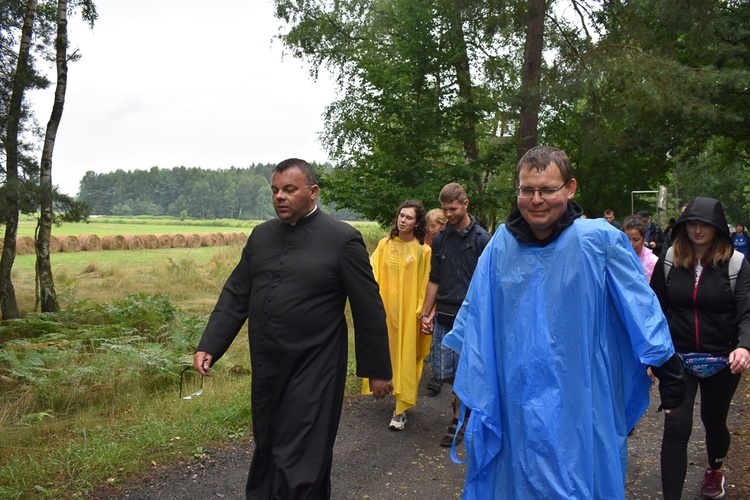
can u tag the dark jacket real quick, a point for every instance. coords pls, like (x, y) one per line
(522, 232)
(704, 316)
(454, 258)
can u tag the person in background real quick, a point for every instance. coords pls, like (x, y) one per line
(705, 316)
(455, 251)
(401, 265)
(654, 234)
(291, 285)
(635, 228)
(436, 222)
(609, 215)
(668, 233)
(555, 336)
(740, 239)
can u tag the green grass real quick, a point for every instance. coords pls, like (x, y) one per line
(111, 226)
(126, 258)
(103, 226)
(89, 397)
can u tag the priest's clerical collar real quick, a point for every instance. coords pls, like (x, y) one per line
(306, 216)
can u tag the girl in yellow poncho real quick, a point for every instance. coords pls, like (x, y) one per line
(401, 265)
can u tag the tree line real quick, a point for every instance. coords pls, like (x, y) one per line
(234, 193)
(639, 93)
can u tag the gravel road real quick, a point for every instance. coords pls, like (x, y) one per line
(373, 462)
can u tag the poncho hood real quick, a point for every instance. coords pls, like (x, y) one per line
(707, 211)
(522, 232)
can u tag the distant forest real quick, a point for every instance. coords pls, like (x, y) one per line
(236, 193)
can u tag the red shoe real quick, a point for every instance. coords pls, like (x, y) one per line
(713, 484)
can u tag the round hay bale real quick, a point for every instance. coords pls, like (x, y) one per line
(90, 243)
(220, 239)
(178, 241)
(150, 241)
(164, 240)
(54, 244)
(70, 244)
(113, 242)
(192, 240)
(25, 245)
(133, 242)
(208, 240)
(234, 238)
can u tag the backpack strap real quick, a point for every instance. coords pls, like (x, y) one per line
(668, 264)
(479, 230)
(735, 262)
(437, 241)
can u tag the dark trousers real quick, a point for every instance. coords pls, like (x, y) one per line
(716, 395)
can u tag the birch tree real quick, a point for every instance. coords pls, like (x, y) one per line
(11, 196)
(25, 189)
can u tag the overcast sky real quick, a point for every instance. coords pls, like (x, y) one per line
(183, 83)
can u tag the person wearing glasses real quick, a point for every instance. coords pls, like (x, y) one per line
(556, 335)
(291, 285)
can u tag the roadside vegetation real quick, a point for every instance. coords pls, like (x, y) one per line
(91, 395)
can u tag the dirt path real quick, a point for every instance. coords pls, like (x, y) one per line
(372, 462)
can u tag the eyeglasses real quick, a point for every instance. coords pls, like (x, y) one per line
(183, 376)
(546, 193)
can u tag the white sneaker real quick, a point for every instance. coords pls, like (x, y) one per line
(398, 422)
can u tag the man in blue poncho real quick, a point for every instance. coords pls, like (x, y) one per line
(556, 334)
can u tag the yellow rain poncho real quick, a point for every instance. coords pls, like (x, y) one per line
(402, 270)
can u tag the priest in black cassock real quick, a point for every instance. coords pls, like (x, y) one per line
(291, 284)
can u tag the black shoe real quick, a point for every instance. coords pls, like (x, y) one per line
(434, 386)
(447, 440)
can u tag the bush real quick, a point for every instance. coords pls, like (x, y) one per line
(89, 352)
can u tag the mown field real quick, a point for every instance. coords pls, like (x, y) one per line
(130, 225)
(90, 396)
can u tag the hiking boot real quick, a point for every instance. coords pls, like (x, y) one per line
(434, 387)
(712, 485)
(447, 440)
(398, 422)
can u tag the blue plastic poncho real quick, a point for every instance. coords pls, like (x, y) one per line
(554, 344)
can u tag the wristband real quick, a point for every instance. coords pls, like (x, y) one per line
(424, 316)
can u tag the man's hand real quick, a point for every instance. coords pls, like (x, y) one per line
(202, 363)
(381, 388)
(428, 324)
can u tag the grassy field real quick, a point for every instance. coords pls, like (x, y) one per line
(90, 396)
(103, 226)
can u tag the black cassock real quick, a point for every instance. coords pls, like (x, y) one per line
(291, 285)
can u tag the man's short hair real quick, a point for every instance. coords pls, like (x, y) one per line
(302, 165)
(452, 192)
(541, 157)
(609, 212)
(643, 213)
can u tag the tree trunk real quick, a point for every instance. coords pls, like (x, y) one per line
(47, 294)
(8, 304)
(468, 111)
(531, 73)
(460, 62)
